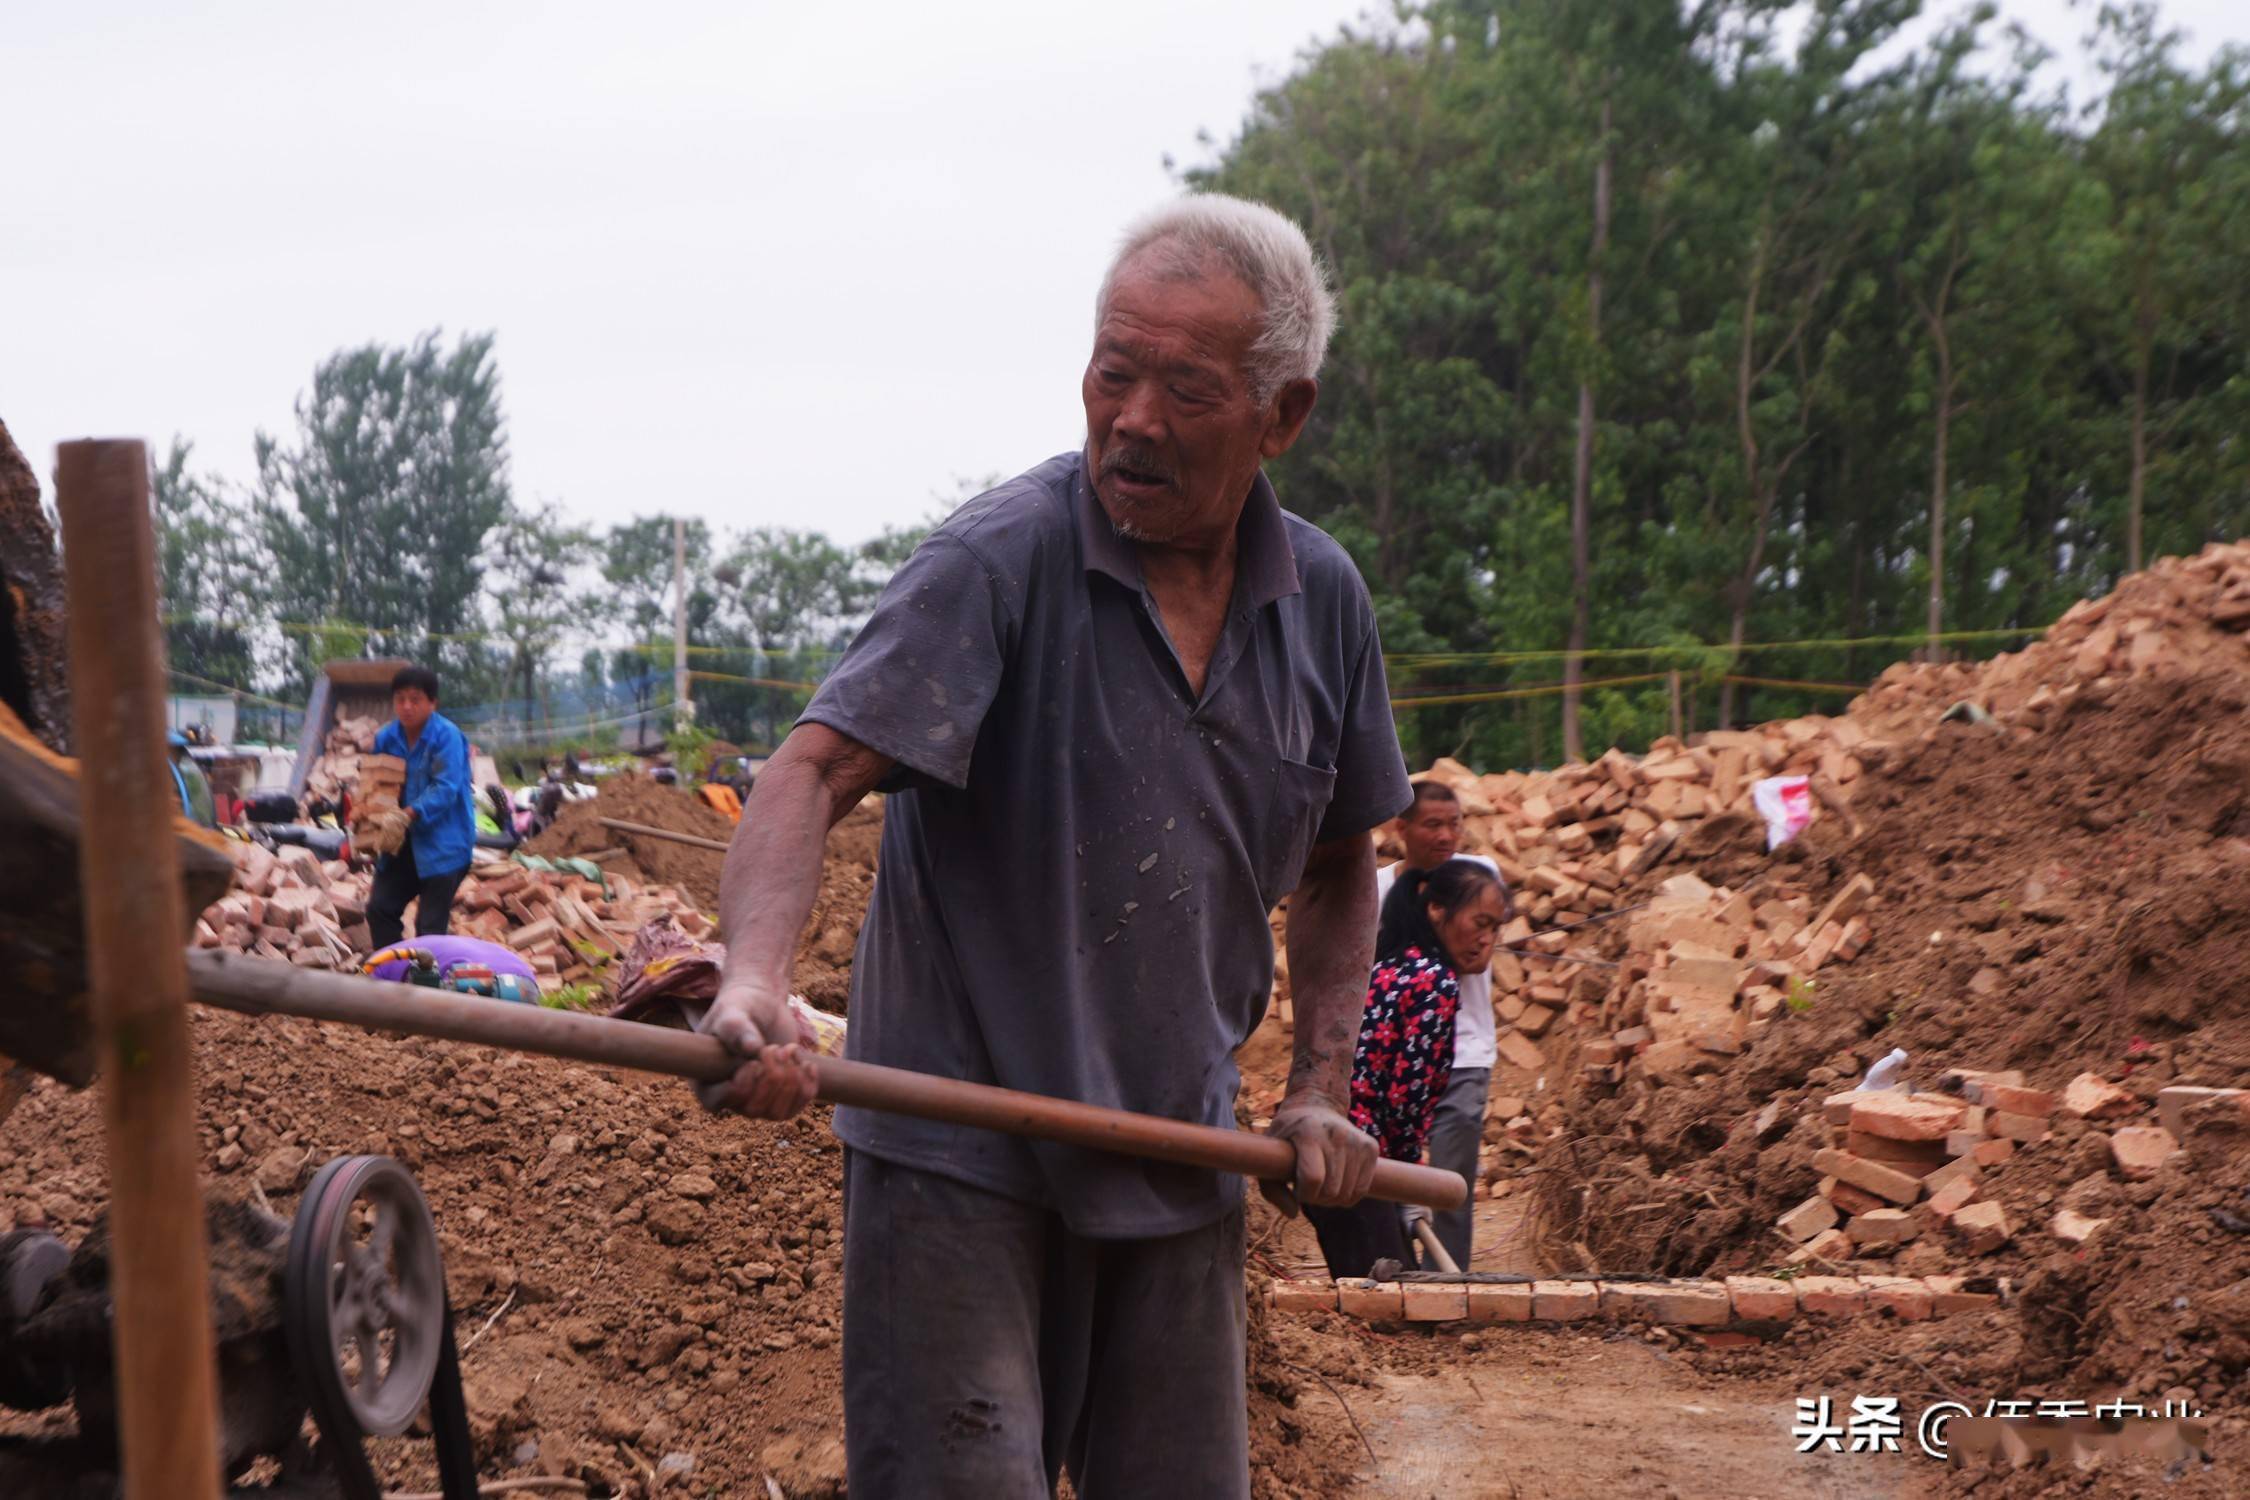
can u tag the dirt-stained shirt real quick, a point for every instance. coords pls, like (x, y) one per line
(1080, 852)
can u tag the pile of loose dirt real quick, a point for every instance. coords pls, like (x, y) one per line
(2066, 902)
(658, 1280)
(2066, 893)
(577, 830)
(823, 968)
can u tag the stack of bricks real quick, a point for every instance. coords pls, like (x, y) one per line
(1569, 839)
(1759, 1302)
(337, 770)
(289, 905)
(1901, 1165)
(1706, 966)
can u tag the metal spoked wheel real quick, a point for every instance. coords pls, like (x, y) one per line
(365, 1293)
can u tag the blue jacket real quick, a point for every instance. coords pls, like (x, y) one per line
(438, 790)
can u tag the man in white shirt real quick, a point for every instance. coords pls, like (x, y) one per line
(1431, 831)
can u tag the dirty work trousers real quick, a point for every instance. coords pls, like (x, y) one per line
(986, 1347)
(1353, 1239)
(396, 883)
(1456, 1135)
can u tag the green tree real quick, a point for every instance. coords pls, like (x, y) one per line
(2168, 155)
(378, 511)
(637, 564)
(212, 575)
(537, 592)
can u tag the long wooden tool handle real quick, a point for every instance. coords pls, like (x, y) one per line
(260, 987)
(646, 832)
(1441, 1259)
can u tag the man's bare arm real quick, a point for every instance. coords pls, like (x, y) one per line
(1331, 946)
(767, 890)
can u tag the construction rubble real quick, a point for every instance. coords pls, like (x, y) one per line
(570, 927)
(1975, 1042)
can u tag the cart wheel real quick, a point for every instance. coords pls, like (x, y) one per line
(364, 1294)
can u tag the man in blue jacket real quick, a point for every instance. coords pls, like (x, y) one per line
(442, 827)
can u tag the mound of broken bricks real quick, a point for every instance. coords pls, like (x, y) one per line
(1902, 1165)
(1734, 1301)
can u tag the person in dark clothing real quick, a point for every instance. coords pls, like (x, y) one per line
(1436, 926)
(440, 807)
(1120, 706)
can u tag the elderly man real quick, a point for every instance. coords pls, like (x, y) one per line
(1126, 704)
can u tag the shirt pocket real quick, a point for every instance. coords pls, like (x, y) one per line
(1300, 798)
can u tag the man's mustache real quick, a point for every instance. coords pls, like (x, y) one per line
(1143, 461)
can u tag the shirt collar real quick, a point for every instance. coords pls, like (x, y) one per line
(1265, 566)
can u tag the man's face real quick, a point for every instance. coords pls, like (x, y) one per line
(1431, 833)
(1174, 432)
(412, 708)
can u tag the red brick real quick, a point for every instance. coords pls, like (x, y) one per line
(2019, 1101)
(1828, 1245)
(1919, 1157)
(2096, 1098)
(1836, 1109)
(2073, 1228)
(1882, 1226)
(1762, 1298)
(1904, 1297)
(1304, 1296)
(1846, 903)
(1953, 1171)
(1831, 1296)
(1500, 1302)
(1872, 1176)
(1700, 1303)
(1520, 1051)
(1565, 1301)
(1948, 1201)
(1982, 1227)
(1949, 1295)
(2028, 1129)
(1434, 1301)
(1361, 1298)
(1852, 1200)
(2140, 1150)
(1992, 1153)
(1898, 1118)
(1807, 1219)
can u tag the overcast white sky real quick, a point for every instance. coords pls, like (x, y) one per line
(784, 264)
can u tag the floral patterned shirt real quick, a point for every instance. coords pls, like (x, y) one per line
(1405, 1055)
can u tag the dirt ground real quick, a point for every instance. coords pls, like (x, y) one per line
(644, 1289)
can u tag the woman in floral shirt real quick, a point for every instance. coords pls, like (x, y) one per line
(1436, 925)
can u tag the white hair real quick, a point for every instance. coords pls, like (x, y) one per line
(1268, 252)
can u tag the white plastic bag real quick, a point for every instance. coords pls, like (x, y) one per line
(1786, 804)
(1885, 1073)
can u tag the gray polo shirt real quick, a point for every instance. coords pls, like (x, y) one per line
(1079, 855)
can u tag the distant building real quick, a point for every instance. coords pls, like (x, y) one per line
(214, 713)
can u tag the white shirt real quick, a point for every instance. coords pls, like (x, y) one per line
(1474, 1033)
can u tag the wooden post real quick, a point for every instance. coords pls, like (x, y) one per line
(135, 926)
(1679, 726)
